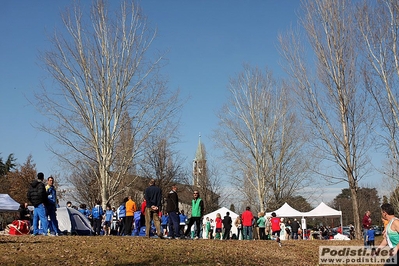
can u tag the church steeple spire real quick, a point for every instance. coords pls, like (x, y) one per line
(199, 165)
(199, 154)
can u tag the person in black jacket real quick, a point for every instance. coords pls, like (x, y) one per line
(38, 197)
(172, 208)
(227, 222)
(294, 229)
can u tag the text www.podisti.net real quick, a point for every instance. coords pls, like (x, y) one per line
(355, 255)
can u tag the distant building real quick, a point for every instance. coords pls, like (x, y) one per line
(201, 179)
(185, 191)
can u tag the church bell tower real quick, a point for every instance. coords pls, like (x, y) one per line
(199, 165)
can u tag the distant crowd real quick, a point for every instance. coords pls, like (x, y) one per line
(126, 219)
(151, 221)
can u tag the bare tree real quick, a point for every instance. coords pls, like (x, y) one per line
(124, 149)
(391, 181)
(378, 25)
(85, 187)
(102, 72)
(209, 186)
(162, 164)
(262, 139)
(329, 91)
(84, 181)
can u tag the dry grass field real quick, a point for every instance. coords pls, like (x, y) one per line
(114, 250)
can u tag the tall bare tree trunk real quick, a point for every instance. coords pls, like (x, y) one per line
(336, 106)
(378, 24)
(262, 139)
(104, 77)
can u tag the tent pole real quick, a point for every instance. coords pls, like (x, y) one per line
(342, 229)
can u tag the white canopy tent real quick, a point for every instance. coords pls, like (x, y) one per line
(223, 212)
(8, 204)
(286, 211)
(323, 211)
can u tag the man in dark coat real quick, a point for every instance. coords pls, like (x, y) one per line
(294, 229)
(38, 197)
(227, 222)
(172, 208)
(153, 198)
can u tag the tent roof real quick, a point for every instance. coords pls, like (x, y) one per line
(323, 210)
(222, 212)
(73, 221)
(286, 211)
(7, 204)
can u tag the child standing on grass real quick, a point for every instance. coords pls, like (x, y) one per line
(164, 223)
(208, 228)
(370, 237)
(219, 223)
(108, 219)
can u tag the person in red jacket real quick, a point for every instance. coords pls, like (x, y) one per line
(275, 224)
(142, 216)
(247, 219)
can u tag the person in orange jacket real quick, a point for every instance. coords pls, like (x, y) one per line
(130, 209)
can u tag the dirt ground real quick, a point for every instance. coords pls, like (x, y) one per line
(116, 250)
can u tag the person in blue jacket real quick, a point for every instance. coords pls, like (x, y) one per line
(97, 214)
(51, 206)
(108, 219)
(183, 221)
(371, 237)
(122, 216)
(83, 210)
(164, 223)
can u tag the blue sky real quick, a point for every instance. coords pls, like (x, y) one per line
(208, 42)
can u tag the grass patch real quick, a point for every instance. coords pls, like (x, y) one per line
(114, 250)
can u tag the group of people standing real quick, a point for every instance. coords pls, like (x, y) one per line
(44, 200)
(265, 228)
(128, 220)
(176, 219)
(222, 227)
(123, 220)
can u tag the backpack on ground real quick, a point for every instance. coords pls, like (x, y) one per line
(19, 227)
